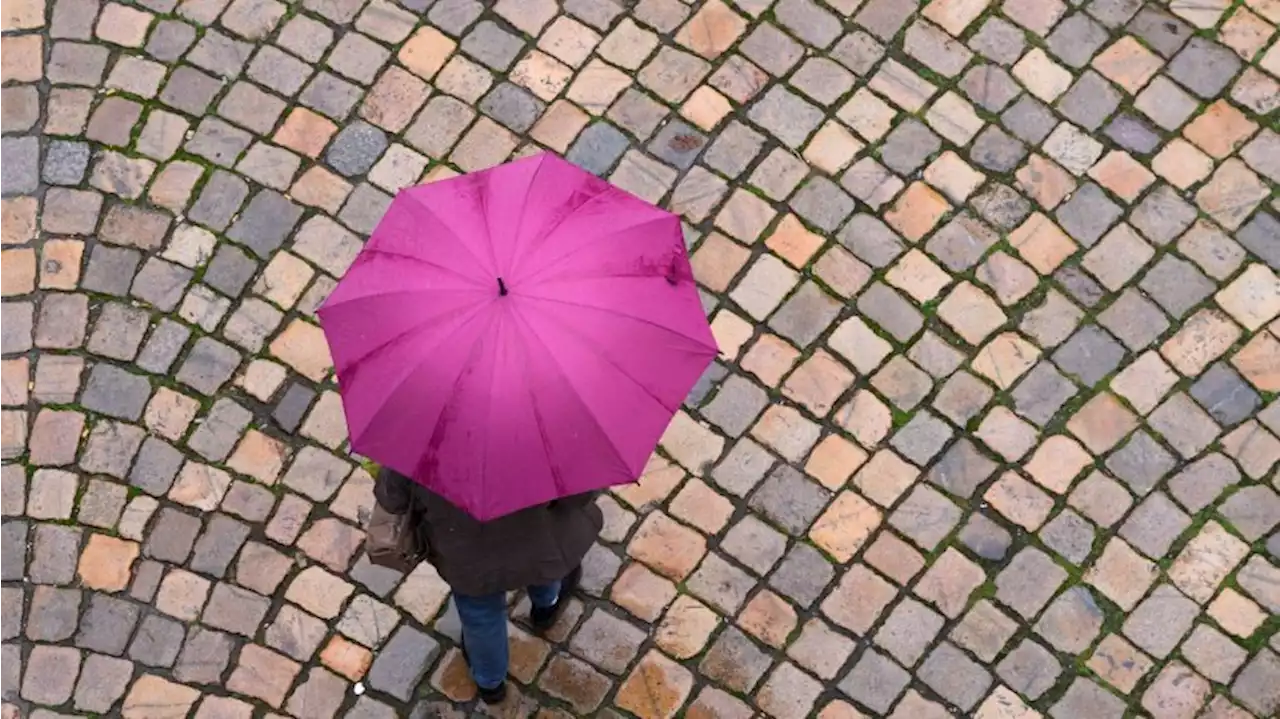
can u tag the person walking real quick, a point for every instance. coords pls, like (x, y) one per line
(539, 549)
(508, 343)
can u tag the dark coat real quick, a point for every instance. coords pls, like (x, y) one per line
(533, 546)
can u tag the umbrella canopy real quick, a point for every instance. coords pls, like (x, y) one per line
(516, 335)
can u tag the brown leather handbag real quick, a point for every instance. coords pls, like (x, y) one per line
(394, 540)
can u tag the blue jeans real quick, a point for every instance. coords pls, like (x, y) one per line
(484, 630)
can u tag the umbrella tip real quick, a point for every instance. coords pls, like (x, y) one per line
(502, 288)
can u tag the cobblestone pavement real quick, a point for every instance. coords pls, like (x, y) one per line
(994, 432)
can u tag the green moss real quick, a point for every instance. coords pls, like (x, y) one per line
(370, 466)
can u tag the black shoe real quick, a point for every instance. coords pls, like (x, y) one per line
(496, 695)
(543, 619)
(492, 696)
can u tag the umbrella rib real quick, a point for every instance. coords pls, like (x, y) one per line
(488, 231)
(586, 245)
(423, 260)
(524, 207)
(556, 479)
(417, 365)
(488, 413)
(449, 231)
(581, 275)
(356, 301)
(586, 341)
(453, 391)
(546, 234)
(628, 316)
(574, 391)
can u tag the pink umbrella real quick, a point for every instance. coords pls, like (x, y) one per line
(517, 335)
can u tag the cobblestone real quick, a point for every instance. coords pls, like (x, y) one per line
(978, 271)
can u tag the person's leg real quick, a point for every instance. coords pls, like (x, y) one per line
(484, 633)
(544, 596)
(549, 600)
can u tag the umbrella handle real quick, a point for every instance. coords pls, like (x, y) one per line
(502, 288)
